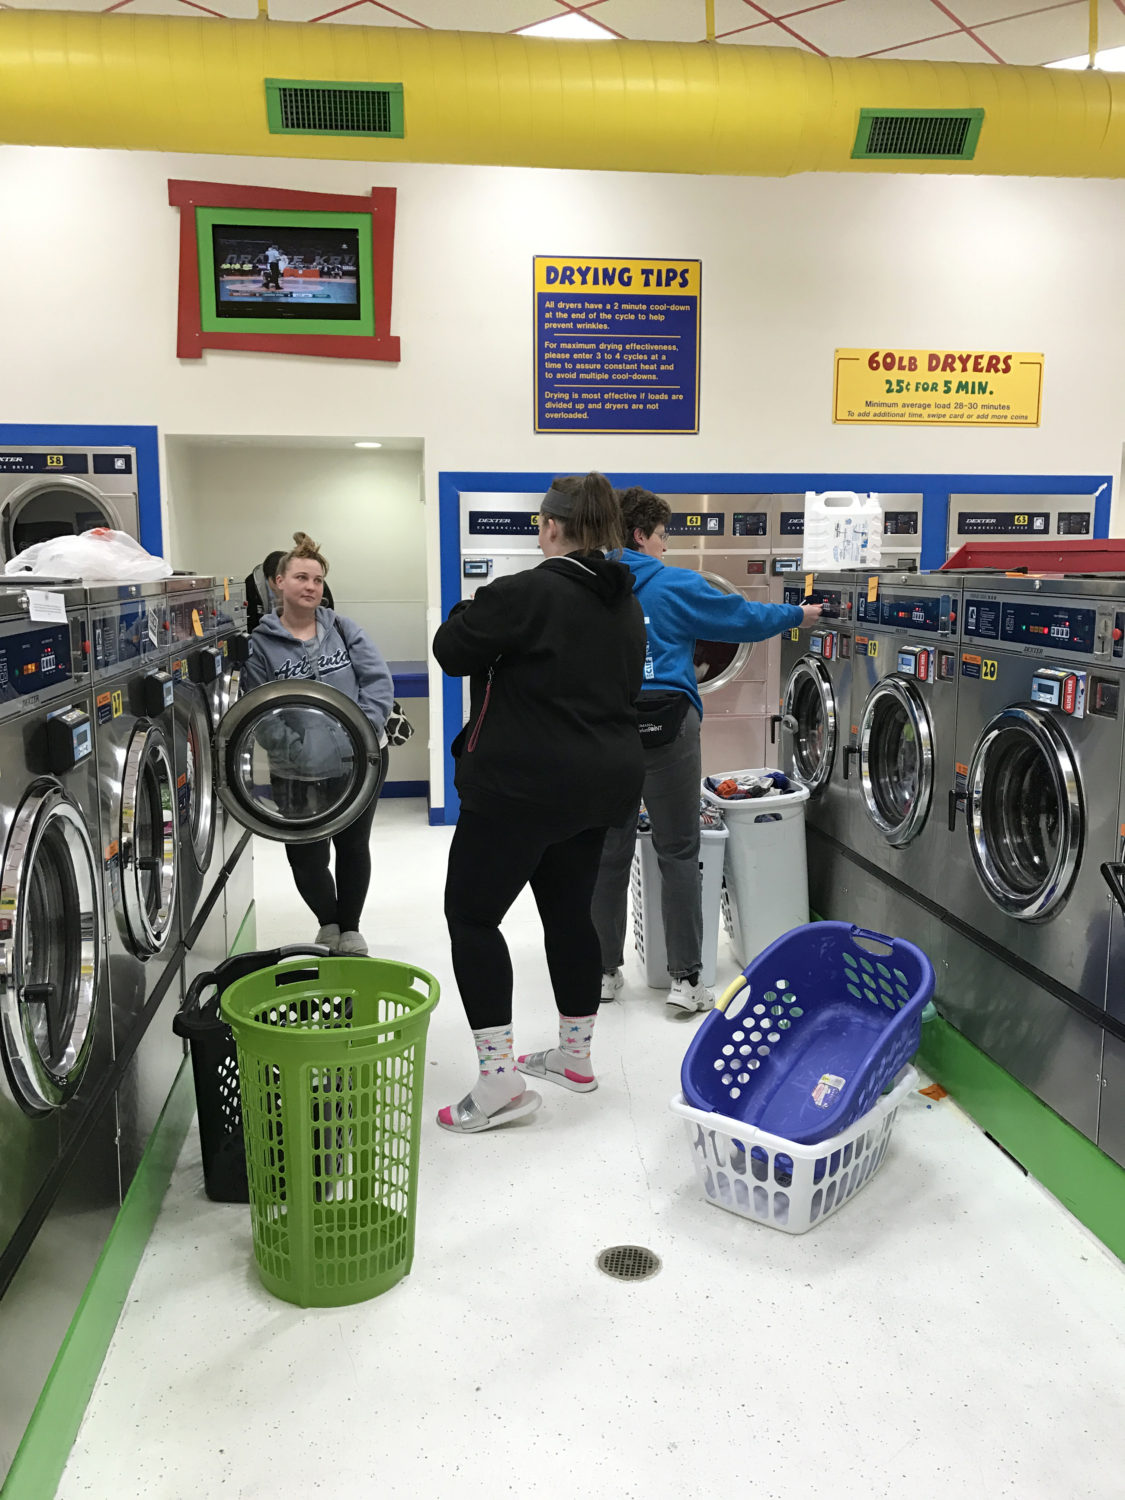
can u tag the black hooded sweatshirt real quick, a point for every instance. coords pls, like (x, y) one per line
(558, 653)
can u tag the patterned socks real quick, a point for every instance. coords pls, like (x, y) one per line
(572, 1055)
(499, 1082)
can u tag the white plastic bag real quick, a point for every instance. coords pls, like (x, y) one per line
(98, 556)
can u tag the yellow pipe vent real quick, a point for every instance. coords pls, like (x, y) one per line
(178, 84)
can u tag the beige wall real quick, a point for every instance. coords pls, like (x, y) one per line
(792, 268)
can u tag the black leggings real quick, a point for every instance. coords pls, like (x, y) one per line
(339, 900)
(490, 862)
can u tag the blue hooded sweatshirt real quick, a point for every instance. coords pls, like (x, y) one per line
(681, 607)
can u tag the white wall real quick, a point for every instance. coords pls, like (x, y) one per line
(792, 268)
(231, 503)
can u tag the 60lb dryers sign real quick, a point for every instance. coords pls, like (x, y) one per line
(616, 345)
(950, 387)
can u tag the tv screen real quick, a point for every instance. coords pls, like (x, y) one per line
(275, 272)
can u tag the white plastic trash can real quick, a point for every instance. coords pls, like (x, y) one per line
(648, 919)
(766, 872)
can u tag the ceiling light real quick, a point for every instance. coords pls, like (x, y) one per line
(569, 28)
(367, 445)
(1112, 60)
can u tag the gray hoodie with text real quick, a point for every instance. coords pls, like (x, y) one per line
(341, 656)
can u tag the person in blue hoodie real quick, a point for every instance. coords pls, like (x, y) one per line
(309, 756)
(680, 607)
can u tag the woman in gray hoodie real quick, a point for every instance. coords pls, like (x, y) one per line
(308, 755)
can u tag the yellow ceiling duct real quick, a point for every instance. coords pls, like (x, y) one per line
(172, 84)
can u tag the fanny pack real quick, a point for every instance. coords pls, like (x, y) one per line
(660, 716)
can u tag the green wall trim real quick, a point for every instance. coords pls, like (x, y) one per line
(43, 1453)
(1082, 1178)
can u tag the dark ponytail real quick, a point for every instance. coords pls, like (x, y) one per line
(594, 520)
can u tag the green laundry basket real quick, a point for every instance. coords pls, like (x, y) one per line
(331, 1053)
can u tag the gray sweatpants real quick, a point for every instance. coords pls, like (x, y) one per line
(671, 796)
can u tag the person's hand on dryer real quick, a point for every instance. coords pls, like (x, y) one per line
(811, 615)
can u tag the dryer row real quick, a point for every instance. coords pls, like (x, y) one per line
(963, 737)
(112, 860)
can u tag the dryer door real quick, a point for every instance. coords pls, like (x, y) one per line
(50, 944)
(896, 758)
(148, 840)
(810, 705)
(196, 795)
(719, 662)
(60, 506)
(297, 761)
(1025, 822)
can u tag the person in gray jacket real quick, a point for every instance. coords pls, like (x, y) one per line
(309, 756)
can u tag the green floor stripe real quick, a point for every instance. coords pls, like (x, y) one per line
(1080, 1176)
(42, 1455)
(247, 938)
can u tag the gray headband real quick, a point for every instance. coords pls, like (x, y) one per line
(558, 503)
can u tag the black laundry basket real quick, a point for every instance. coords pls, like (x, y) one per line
(214, 1065)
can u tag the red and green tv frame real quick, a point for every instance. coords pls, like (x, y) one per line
(277, 271)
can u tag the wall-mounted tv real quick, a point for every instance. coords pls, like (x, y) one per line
(287, 271)
(276, 271)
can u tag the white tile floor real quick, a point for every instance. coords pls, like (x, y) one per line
(950, 1332)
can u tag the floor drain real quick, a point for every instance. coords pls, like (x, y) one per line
(628, 1262)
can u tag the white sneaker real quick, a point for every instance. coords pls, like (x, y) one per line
(329, 937)
(686, 998)
(612, 985)
(352, 944)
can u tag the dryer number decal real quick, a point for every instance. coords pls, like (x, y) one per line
(977, 666)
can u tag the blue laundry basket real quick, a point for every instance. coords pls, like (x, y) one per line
(810, 1034)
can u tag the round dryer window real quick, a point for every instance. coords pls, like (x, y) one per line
(297, 761)
(50, 941)
(47, 508)
(719, 662)
(1025, 813)
(810, 706)
(193, 705)
(896, 754)
(148, 841)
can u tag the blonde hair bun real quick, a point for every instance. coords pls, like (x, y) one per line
(305, 548)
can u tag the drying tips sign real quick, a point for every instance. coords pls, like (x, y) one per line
(950, 387)
(616, 345)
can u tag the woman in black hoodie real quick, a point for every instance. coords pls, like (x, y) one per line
(549, 759)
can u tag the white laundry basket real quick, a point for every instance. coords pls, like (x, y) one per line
(648, 920)
(779, 1183)
(766, 870)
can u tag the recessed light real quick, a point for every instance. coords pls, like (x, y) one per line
(569, 28)
(367, 445)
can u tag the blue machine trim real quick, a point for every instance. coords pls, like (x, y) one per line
(411, 679)
(935, 490)
(405, 789)
(144, 439)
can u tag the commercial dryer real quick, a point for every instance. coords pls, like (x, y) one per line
(133, 737)
(56, 1040)
(48, 492)
(196, 668)
(236, 844)
(1034, 800)
(811, 733)
(905, 710)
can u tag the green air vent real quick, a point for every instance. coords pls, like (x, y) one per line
(918, 134)
(295, 107)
